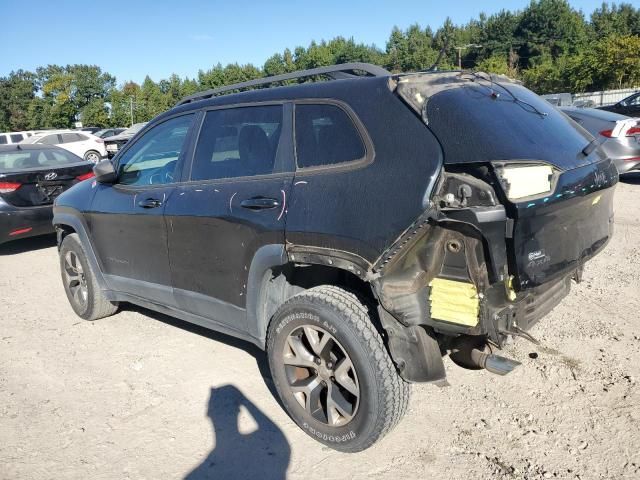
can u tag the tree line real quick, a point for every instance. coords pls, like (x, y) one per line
(549, 46)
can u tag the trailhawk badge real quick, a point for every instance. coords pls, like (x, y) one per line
(537, 258)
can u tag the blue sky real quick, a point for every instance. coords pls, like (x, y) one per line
(138, 37)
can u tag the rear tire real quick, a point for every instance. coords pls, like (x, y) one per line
(332, 371)
(80, 284)
(92, 156)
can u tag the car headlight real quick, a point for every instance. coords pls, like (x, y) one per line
(525, 180)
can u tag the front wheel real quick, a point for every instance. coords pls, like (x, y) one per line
(80, 283)
(332, 370)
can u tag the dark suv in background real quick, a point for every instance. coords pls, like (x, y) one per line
(358, 229)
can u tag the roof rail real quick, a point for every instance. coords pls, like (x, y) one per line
(343, 70)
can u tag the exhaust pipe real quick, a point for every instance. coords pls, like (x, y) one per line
(493, 363)
(475, 353)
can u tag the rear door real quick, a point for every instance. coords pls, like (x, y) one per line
(77, 143)
(126, 219)
(234, 203)
(51, 139)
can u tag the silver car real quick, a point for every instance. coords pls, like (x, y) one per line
(619, 135)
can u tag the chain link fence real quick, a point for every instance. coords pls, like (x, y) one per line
(589, 99)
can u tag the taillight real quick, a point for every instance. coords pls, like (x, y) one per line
(20, 231)
(99, 140)
(85, 176)
(8, 187)
(629, 133)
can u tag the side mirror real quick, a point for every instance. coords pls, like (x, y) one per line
(105, 172)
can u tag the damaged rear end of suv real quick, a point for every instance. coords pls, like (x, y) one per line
(523, 199)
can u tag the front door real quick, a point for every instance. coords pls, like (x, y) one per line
(234, 203)
(126, 220)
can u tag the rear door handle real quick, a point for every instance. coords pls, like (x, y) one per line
(150, 203)
(260, 203)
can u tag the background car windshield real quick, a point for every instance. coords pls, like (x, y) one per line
(30, 159)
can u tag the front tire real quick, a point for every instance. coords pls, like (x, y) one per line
(80, 284)
(332, 371)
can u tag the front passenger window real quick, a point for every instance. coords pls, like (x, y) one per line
(153, 159)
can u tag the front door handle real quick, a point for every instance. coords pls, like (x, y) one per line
(260, 203)
(150, 203)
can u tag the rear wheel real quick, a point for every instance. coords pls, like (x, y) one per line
(332, 370)
(80, 284)
(92, 156)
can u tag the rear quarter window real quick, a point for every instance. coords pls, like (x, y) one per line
(325, 136)
(3, 140)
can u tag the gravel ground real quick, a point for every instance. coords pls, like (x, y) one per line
(143, 396)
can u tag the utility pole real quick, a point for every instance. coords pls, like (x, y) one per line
(131, 109)
(464, 47)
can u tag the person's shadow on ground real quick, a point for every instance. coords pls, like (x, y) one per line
(263, 453)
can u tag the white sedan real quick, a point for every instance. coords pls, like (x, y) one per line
(83, 144)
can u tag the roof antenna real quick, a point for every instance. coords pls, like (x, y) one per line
(18, 147)
(443, 50)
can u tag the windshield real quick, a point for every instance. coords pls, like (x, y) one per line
(35, 159)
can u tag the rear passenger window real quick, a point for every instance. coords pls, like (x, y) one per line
(72, 137)
(50, 140)
(15, 138)
(325, 135)
(238, 142)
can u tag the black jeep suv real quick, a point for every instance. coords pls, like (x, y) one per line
(358, 229)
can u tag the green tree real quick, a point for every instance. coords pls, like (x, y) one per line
(497, 34)
(549, 28)
(16, 92)
(621, 19)
(95, 113)
(615, 61)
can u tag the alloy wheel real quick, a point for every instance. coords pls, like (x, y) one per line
(321, 376)
(92, 157)
(76, 280)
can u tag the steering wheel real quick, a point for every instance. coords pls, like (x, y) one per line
(163, 174)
